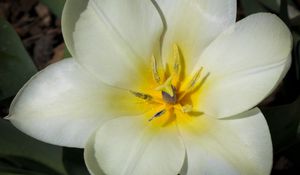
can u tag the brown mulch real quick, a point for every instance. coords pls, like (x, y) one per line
(38, 28)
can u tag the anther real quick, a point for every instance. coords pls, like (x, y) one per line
(195, 78)
(160, 113)
(176, 65)
(142, 95)
(195, 81)
(155, 72)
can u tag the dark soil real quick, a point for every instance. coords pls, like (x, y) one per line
(38, 28)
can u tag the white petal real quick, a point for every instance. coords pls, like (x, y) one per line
(63, 105)
(71, 13)
(193, 24)
(237, 145)
(245, 64)
(129, 146)
(90, 159)
(115, 39)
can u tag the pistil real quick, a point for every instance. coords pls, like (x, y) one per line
(168, 98)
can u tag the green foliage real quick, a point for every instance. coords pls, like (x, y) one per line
(20, 153)
(74, 162)
(283, 123)
(67, 53)
(269, 4)
(252, 6)
(14, 164)
(283, 13)
(255, 6)
(16, 66)
(297, 56)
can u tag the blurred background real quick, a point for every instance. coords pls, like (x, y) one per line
(31, 38)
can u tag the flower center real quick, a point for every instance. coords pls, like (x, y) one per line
(168, 98)
(173, 86)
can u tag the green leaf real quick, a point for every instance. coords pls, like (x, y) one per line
(270, 4)
(284, 11)
(295, 22)
(74, 162)
(296, 55)
(67, 53)
(252, 6)
(283, 122)
(15, 145)
(56, 6)
(16, 66)
(15, 164)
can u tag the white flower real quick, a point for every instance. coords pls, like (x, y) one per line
(162, 85)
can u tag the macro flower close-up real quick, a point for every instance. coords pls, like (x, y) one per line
(160, 87)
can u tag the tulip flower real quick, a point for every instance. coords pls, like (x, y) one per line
(160, 87)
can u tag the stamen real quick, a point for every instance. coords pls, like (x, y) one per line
(155, 70)
(177, 65)
(142, 95)
(160, 113)
(194, 81)
(167, 87)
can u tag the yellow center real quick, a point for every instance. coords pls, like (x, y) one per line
(171, 92)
